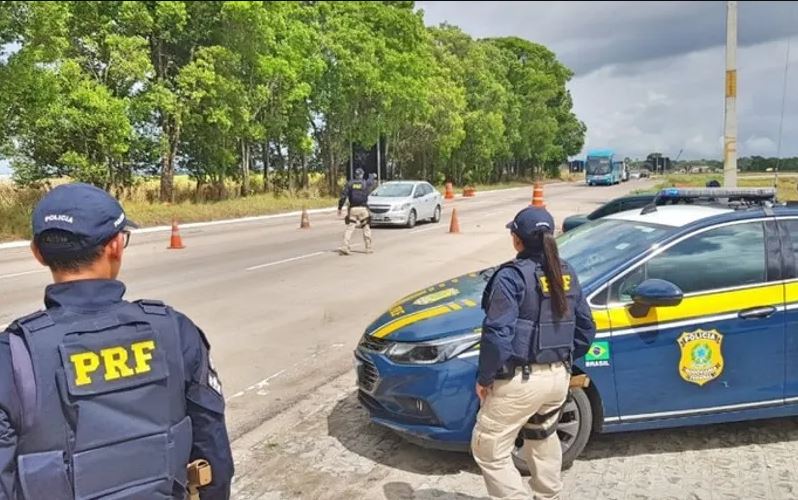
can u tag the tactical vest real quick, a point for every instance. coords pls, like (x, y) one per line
(538, 337)
(358, 193)
(103, 404)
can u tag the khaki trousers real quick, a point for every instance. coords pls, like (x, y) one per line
(507, 408)
(357, 217)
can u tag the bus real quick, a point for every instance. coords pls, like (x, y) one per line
(602, 168)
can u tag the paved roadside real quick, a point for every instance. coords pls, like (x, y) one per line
(325, 448)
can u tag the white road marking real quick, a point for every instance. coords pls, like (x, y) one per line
(285, 261)
(263, 383)
(24, 273)
(424, 229)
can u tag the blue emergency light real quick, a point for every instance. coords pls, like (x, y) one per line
(730, 197)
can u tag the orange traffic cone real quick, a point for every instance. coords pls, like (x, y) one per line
(454, 226)
(537, 195)
(175, 242)
(305, 223)
(449, 191)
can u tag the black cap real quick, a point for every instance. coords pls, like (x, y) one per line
(88, 213)
(531, 221)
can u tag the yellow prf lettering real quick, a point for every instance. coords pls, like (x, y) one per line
(566, 283)
(84, 363)
(142, 353)
(115, 361)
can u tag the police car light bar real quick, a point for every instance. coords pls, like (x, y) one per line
(752, 194)
(731, 196)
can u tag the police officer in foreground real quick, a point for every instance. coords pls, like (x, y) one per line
(356, 193)
(101, 397)
(537, 322)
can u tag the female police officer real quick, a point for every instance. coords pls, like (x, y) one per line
(536, 323)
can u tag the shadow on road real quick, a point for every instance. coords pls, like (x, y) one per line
(403, 491)
(698, 438)
(350, 425)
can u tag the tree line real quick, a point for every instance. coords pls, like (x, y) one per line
(105, 91)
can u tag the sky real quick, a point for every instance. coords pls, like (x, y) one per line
(649, 76)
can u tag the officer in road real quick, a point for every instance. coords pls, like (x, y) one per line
(101, 397)
(537, 322)
(356, 193)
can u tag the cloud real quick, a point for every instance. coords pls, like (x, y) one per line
(649, 76)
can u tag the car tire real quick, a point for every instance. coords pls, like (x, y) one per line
(412, 218)
(436, 217)
(574, 430)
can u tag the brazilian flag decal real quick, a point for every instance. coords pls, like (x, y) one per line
(599, 351)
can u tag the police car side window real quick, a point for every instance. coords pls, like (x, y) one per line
(724, 257)
(701, 262)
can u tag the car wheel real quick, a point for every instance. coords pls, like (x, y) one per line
(573, 429)
(411, 219)
(436, 217)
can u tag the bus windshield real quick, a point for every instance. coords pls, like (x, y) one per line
(597, 166)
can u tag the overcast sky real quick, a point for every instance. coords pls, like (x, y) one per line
(649, 76)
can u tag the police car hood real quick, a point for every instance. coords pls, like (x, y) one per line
(441, 310)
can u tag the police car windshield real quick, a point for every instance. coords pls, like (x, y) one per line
(598, 247)
(394, 190)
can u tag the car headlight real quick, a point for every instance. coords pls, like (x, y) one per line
(437, 351)
(400, 208)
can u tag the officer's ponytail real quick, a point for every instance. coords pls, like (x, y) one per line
(553, 269)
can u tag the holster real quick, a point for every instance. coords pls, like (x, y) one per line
(199, 475)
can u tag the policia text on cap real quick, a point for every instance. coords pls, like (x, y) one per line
(537, 321)
(101, 397)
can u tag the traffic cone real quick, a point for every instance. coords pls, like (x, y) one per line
(175, 242)
(449, 191)
(305, 223)
(537, 195)
(454, 226)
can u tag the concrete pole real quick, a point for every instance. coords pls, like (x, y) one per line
(379, 170)
(730, 125)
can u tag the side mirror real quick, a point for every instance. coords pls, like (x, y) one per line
(657, 293)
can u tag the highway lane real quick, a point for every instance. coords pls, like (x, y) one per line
(284, 311)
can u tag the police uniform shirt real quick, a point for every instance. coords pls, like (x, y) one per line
(204, 400)
(502, 313)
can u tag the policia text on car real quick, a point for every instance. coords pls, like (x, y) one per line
(101, 397)
(537, 321)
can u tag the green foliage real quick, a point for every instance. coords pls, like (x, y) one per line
(104, 91)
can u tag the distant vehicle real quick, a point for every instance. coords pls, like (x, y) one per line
(403, 203)
(624, 171)
(644, 174)
(601, 168)
(635, 175)
(611, 207)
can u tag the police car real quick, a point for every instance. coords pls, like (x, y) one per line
(696, 309)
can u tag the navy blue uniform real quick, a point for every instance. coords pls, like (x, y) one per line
(204, 403)
(507, 293)
(356, 192)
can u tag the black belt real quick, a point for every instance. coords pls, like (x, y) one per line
(507, 372)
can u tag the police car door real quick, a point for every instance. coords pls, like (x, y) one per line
(789, 231)
(722, 348)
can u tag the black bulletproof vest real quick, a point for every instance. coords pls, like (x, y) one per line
(107, 415)
(358, 193)
(538, 337)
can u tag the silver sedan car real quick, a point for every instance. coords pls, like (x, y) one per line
(404, 203)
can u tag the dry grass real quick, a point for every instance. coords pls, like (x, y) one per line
(192, 204)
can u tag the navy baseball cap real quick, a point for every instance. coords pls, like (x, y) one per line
(90, 214)
(531, 220)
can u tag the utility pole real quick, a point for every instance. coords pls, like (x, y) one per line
(730, 123)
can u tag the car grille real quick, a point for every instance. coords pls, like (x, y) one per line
(367, 374)
(379, 209)
(373, 343)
